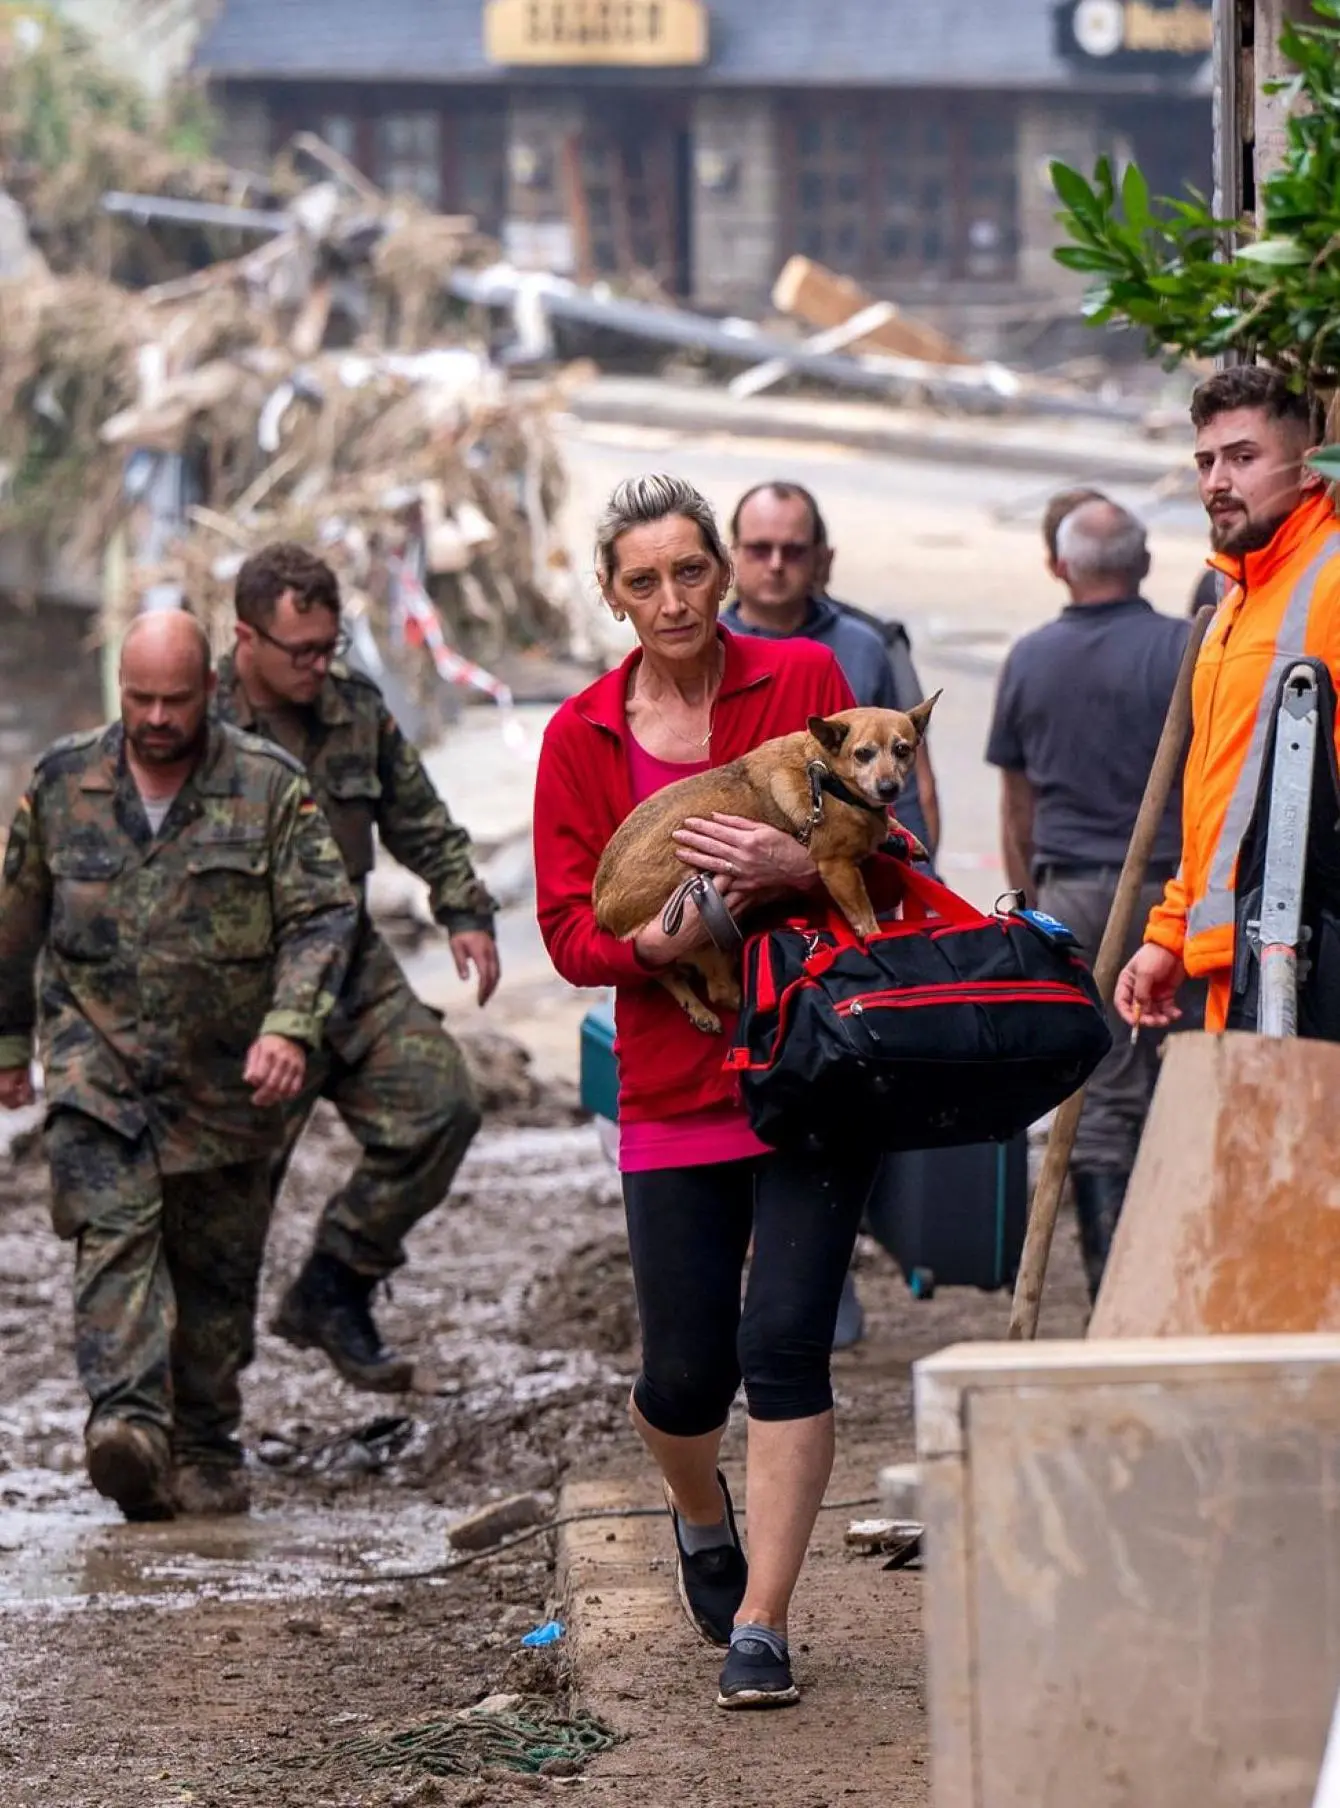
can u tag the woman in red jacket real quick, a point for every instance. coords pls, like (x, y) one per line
(697, 1183)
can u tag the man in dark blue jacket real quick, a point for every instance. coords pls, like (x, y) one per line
(782, 565)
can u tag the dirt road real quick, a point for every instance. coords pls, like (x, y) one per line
(224, 1664)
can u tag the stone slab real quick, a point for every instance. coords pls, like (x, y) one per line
(1133, 1571)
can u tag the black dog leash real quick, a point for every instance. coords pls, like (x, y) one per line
(717, 919)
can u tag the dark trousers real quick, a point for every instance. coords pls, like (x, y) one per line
(1117, 1100)
(689, 1231)
(403, 1091)
(166, 1273)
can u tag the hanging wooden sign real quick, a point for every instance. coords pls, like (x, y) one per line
(609, 33)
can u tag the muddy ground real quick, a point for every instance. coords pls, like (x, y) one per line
(225, 1663)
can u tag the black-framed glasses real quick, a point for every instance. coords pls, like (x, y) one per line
(309, 652)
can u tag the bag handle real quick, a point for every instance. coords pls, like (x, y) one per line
(922, 898)
(926, 895)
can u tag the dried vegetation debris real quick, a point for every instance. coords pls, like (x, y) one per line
(301, 368)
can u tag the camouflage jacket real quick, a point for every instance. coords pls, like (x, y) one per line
(366, 775)
(163, 957)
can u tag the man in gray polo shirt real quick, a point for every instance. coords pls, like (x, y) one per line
(782, 564)
(1079, 710)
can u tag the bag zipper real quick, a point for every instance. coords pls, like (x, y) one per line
(1003, 991)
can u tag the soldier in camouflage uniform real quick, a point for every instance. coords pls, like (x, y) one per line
(193, 921)
(393, 1074)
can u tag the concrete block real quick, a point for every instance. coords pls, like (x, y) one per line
(1133, 1571)
(1232, 1219)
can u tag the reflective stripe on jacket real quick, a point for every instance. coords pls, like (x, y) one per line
(1285, 605)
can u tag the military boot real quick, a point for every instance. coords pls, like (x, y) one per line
(1098, 1202)
(130, 1463)
(329, 1308)
(210, 1489)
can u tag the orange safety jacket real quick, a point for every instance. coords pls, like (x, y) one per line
(1285, 605)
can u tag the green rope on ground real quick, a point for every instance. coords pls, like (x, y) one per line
(526, 1739)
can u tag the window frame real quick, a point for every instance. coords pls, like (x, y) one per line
(872, 114)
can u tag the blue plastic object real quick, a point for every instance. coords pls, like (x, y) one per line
(548, 1634)
(599, 1069)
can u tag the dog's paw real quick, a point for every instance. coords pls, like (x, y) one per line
(914, 848)
(703, 1019)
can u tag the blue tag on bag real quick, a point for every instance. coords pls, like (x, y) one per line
(1047, 928)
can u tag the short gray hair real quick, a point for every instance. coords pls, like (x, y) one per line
(1103, 540)
(638, 501)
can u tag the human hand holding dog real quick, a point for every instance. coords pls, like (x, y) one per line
(657, 949)
(755, 859)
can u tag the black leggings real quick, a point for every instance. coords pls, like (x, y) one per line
(688, 1234)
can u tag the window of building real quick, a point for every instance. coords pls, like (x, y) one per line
(448, 148)
(409, 155)
(340, 132)
(904, 185)
(478, 167)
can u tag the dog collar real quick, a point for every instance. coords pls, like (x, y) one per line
(825, 782)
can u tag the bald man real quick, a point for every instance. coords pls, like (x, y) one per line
(194, 922)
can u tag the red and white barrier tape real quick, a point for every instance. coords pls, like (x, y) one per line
(452, 667)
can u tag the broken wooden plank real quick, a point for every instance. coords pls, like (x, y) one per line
(823, 299)
(836, 339)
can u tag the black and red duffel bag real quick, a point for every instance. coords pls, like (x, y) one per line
(947, 1027)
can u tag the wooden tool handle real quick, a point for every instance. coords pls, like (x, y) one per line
(1106, 972)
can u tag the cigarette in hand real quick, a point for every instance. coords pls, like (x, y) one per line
(1135, 1027)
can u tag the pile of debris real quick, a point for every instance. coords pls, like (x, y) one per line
(321, 385)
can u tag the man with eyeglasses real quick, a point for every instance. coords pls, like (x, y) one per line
(783, 562)
(396, 1078)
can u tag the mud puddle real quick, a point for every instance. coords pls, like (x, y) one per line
(60, 1557)
(349, 1489)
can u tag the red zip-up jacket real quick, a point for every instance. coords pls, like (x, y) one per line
(583, 793)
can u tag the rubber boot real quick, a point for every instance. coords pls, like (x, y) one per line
(130, 1463)
(1098, 1202)
(329, 1308)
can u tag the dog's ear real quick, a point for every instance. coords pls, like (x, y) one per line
(831, 736)
(921, 715)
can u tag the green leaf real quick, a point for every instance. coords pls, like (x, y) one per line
(1135, 198)
(1076, 194)
(1088, 258)
(1104, 183)
(1327, 462)
(1277, 254)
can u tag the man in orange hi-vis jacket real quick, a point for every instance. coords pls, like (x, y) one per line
(1276, 537)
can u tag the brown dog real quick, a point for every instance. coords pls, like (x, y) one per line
(830, 786)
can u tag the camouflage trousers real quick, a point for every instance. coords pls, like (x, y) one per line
(402, 1089)
(165, 1278)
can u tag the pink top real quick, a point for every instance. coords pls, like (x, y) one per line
(699, 1138)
